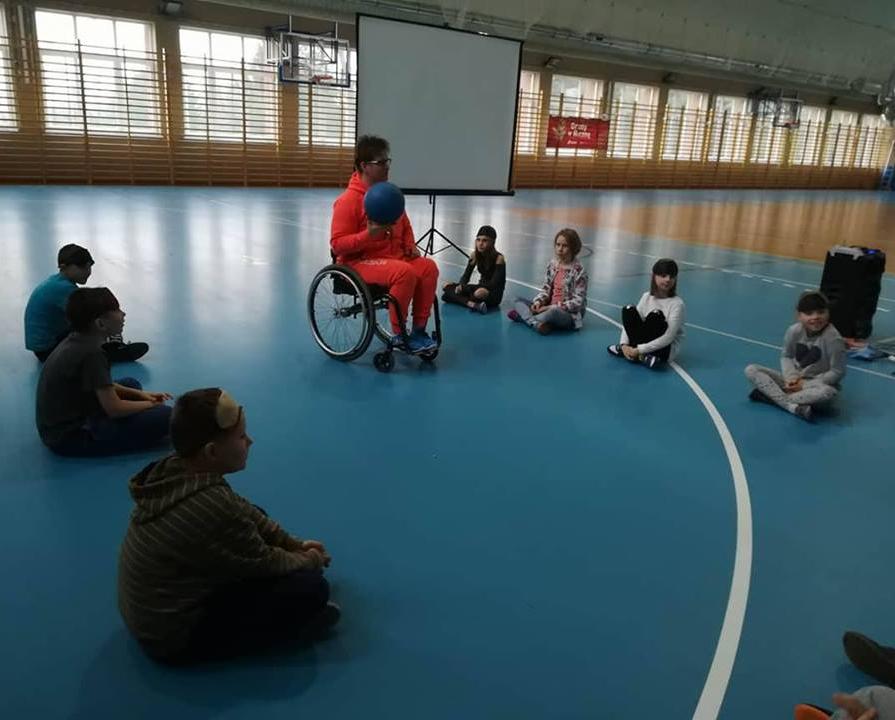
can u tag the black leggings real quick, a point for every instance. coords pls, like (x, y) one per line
(643, 330)
(255, 615)
(451, 295)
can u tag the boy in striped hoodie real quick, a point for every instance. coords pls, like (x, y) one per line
(202, 572)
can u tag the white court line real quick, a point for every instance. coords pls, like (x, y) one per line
(751, 276)
(718, 677)
(732, 336)
(709, 267)
(751, 341)
(856, 368)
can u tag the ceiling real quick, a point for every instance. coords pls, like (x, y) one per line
(800, 43)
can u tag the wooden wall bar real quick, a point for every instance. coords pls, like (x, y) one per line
(156, 118)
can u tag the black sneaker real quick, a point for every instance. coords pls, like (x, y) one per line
(758, 396)
(615, 350)
(119, 352)
(322, 622)
(804, 412)
(870, 657)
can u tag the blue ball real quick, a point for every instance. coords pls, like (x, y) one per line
(384, 203)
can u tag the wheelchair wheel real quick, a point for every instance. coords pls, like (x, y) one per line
(341, 314)
(383, 361)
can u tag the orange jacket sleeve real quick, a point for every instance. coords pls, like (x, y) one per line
(408, 242)
(348, 233)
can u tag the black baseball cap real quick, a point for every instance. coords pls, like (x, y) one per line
(487, 231)
(74, 255)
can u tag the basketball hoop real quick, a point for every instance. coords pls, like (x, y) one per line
(782, 110)
(309, 59)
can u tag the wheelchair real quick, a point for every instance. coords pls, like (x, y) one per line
(345, 313)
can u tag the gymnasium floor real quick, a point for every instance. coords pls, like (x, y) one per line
(533, 529)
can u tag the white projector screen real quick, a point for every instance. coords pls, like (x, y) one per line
(444, 99)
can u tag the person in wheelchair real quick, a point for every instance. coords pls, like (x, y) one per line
(384, 255)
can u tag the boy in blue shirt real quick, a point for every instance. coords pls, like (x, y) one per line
(45, 322)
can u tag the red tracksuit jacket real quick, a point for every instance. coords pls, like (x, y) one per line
(350, 239)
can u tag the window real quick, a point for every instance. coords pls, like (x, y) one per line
(871, 137)
(529, 81)
(840, 138)
(730, 129)
(326, 115)
(572, 96)
(575, 96)
(229, 93)
(7, 98)
(806, 137)
(528, 121)
(768, 142)
(683, 131)
(98, 75)
(634, 123)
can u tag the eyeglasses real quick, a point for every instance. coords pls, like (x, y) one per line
(385, 162)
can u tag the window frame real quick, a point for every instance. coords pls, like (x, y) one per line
(105, 75)
(254, 118)
(690, 130)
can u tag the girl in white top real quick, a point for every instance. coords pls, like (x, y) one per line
(654, 329)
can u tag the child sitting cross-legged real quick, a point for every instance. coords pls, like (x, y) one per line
(487, 290)
(203, 573)
(562, 301)
(813, 362)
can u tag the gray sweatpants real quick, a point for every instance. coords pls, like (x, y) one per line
(882, 699)
(771, 383)
(555, 315)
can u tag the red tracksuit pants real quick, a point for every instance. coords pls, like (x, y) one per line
(406, 280)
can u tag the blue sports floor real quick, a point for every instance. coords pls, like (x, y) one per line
(531, 530)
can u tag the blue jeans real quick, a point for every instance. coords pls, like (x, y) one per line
(553, 315)
(114, 436)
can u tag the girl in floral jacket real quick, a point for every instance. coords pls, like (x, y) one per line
(561, 303)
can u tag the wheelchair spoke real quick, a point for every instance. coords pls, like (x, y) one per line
(340, 318)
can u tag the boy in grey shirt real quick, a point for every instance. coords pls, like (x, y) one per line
(813, 362)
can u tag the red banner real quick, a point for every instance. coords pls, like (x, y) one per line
(577, 132)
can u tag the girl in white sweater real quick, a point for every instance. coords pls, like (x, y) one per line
(653, 330)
